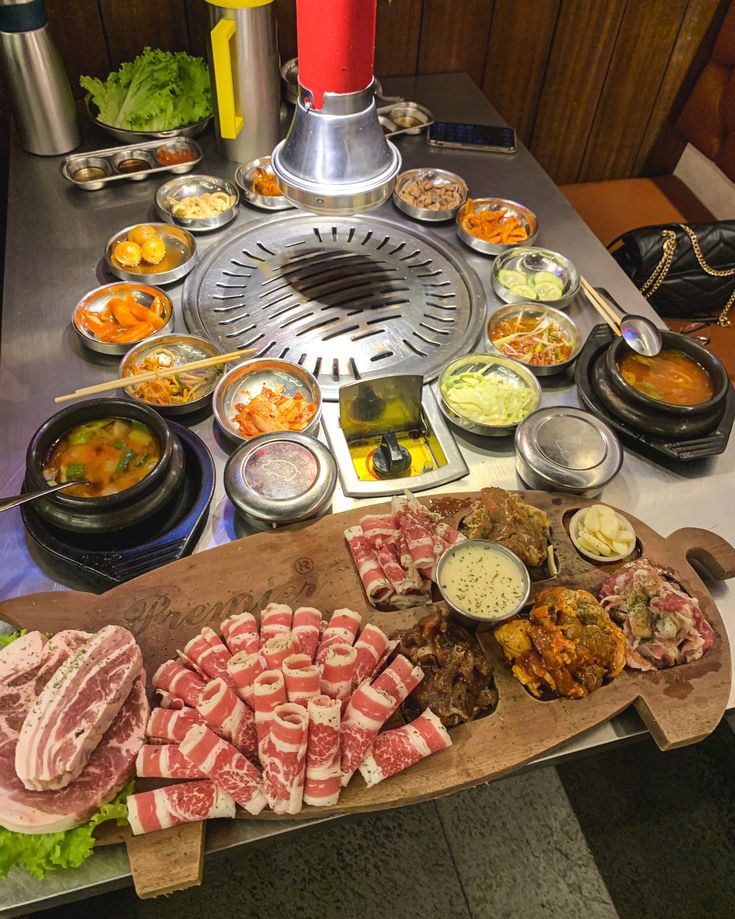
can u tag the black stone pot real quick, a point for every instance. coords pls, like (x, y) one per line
(647, 414)
(109, 512)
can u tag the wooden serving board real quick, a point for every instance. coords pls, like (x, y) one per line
(311, 565)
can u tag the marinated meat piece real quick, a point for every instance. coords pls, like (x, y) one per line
(569, 645)
(504, 517)
(432, 194)
(458, 677)
(663, 625)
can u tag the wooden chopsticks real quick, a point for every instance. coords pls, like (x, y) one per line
(136, 378)
(601, 305)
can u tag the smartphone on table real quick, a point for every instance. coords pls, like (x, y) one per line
(462, 136)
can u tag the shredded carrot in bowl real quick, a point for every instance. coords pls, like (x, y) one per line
(491, 225)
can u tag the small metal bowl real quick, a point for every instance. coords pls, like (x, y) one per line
(531, 260)
(180, 256)
(244, 178)
(436, 177)
(179, 144)
(574, 525)
(248, 378)
(489, 364)
(526, 216)
(474, 621)
(134, 137)
(96, 300)
(535, 311)
(281, 478)
(409, 117)
(185, 348)
(134, 164)
(90, 170)
(173, 191)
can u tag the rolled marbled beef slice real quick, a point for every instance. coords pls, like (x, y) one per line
(241, 633)
(399, 678)
(301, 678)
(341, 629)
(394, 751)
(164, 761)
(336, 679)
(208, 653)
(173, 678)
(322, 781)
(229, 716)
(378, 588)
(243, 667)
(370, 649)
(276, 619)
(269, 691)
(285, 759)
(275, 650)
(225, 766)
(186, 802)
(306, 628)
(366, 713)
(170, 725)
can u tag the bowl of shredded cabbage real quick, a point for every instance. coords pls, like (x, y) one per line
(488, 394)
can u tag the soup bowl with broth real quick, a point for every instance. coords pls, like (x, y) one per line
(681, 391)
(125, 452)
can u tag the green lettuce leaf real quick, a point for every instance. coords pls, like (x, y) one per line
(44, 852)
(158, 91)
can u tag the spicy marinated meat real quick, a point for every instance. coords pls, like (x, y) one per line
(568, 645)
(663, 625)
(458, 677)
(504, 517)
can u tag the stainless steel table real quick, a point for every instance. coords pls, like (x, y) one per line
(55, 240)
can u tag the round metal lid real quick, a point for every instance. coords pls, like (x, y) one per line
(281, 478)
(569, 447)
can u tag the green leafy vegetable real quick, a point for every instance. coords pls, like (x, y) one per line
(158, 91)
(44, 852)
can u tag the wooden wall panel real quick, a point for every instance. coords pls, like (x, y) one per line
(580, 54)
(454, 37)
(662, 144)
(286, 14)
(133, 24)
(637, 67)
(197, 20)
(397, 37)
(78, 25)
(518, 48)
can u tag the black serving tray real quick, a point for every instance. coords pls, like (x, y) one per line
(655, 446)
(105, 560)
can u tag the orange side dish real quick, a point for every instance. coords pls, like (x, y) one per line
(264, 183)
(271, 410)
(493, 226)
(123, 320)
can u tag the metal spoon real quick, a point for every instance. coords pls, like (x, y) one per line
(7, 503)
(641, 334)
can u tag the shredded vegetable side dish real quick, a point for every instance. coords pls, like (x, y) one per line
(177, 389)
(488, 399)
(541, 342)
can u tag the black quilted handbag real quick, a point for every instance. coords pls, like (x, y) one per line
(685, 272)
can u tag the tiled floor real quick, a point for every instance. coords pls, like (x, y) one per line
(627, 834)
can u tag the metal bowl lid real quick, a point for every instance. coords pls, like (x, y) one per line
(569, 447)
(282, 477)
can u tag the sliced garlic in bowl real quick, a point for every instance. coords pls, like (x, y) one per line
(602, 534)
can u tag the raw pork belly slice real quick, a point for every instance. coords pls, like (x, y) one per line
(285, 760)
(164, 761)
(228, 716)
(276, 650)
(371, 648)
(336, 681)
(323, 778)
(342, 629)
(171, 726)
(377, 586)
(394, 751)
(208, 654)
(301, 678)
(26, 654)
(366, 713)
(108, 768)
(241, 633)
(242, 668)
(379, 526)
(168, 700)
(226, 767)
(175, 804)
(179, 682)
(399, 678)
(269, 691)
(275, 619)
(306, 628)
(69, 717)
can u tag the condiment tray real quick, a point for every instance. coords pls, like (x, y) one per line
(107, 161)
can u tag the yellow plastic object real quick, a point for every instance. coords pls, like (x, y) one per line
(230, 123)
(239, 4)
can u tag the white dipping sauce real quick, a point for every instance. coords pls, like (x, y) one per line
(482, 580)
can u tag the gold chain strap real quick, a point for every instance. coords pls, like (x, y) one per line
(659, 273)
